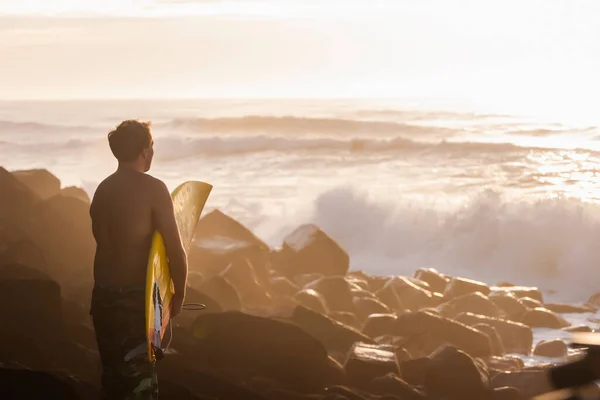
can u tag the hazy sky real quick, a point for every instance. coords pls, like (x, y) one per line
(529, 49)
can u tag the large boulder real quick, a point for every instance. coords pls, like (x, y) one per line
(380, 325)
(336, 292)
(308, 249)
(19, 383)
(437, 281)
(76, 192)
(336, 336)
(551, 348)
(520, 291)
(242, 275)
(40, 181)
(511, 307)
(387, 294)
(366, 306)
(562, 308)
(265, 347)
(312, 300)
(210, 255)
(16, 202)
(475, 303)
(454, 375)
(63, 230)
(223, 292)
(366, 362)
(437, 330)
(392, 385)
(21, 250)
(461, 286)
(516, 337)
(218, 224)
(179, 378)
(30, 302)
(411, 295)
(543, 318)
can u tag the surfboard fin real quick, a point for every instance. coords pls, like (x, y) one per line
(158, 353)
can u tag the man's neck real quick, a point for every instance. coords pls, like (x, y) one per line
(126, 167)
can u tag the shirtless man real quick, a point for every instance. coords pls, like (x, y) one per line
(127, 208)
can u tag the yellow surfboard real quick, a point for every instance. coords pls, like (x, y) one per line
(188, 201)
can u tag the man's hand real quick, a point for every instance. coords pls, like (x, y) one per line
(176, 304)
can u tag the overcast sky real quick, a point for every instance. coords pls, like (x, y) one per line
(530, 49)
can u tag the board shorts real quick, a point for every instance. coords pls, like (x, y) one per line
(120, 324)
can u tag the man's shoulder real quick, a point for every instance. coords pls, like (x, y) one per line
(154, 182)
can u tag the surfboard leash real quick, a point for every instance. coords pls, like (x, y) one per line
(185, 307)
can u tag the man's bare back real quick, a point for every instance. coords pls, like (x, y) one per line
(123, 226)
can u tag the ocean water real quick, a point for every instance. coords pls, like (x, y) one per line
(400, 184)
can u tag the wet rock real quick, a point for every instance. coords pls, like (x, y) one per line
(76, 192)
(511, 307)
(304, 279)
(504, 364)
(199, 382)
(551, 348)
(217, 224)
(437, 281)
(437, 299)
(411, 296)
(380, 325)
(241, 274)
(521, 292)
(223, 292)
(31, 301)
(388, 296)
(346, 318)
(443, 331)
(414, 371)
(334, 335)
(543, 318)
(40, 181)
(492, 334)
(63, 232)
(593, 301)
(578, 329)
(516, 337)
(336, 292)
(17, 384)
(507, 393)
(239, 354)
(358, 278)
(17, 202)
(172, 391)
(561, 308)
(475, 303)
(312, 300)
(283, 287)
(461, 286)
(530, 303)
(212, 254)
(368, 306)
(21, 250)
(453, 374)
(529, 383)
(368, 361)
(308, 249)
(394, 386)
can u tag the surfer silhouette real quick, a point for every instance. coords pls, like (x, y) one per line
(127, 207)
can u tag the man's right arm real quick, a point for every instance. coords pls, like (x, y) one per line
(164, 218)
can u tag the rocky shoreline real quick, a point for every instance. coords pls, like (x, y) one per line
(280, 324)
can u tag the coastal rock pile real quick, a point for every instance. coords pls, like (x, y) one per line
(287, 323)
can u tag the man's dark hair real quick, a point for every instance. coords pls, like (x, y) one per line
(129, 139)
